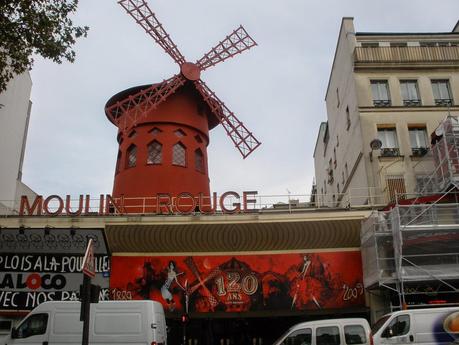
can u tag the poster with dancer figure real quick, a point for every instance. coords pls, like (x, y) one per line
(241, 283)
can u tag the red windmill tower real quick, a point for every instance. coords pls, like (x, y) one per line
(164, 128)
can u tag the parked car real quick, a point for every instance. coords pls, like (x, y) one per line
(351, 331)
(418, 326)
(111, 322)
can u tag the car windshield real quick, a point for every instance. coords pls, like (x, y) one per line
(379, 324)
(278, 341)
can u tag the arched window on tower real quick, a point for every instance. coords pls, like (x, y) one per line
(131, 157)
(199, 160)
(179, 155)
(155, 152)
(118, 162)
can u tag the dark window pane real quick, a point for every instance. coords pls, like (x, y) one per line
(354, 334)
(199, 160)
(34, 325)
(299, 337)
(154, 153)
(327, 336)
(131, 156)
(179, 155)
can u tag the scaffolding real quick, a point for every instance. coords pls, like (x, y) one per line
(445, 152)
(413, 249)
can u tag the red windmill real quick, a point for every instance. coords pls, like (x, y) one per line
(164, 128)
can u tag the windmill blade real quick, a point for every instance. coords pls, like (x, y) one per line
(127, 113)
(143, 15)
(242, 138)
(235, 43)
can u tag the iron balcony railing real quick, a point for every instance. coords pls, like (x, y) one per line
(406, 54)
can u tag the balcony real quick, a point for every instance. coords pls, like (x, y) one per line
(382, 102)
(419, 151)
(406, 54)
(443, 102)
(411, 102)
(390, 152)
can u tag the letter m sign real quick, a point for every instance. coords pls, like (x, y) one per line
(88, 267)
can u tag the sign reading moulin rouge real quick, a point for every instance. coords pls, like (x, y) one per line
(164, 203)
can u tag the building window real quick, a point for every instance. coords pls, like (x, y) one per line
(179, 155)
(155, 153)
(155, 131)
(131, 158)
(369, 44)
(380, 91)
(326, 139)
(410, 93)
(346, 171)
(118, 160)
(132, 134)
(337, 141)
(418, 141)
(388, 137)
(348, 118)
(396, 187)
(337, 97)
(398, 44)
(198, 138)
(334, 158)
(342, 177)
(179, 133)
(442, 93)
(199, 160)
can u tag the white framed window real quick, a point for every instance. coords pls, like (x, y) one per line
(380, 92)
(442, 92)
(418, 137)
(388, 137)
(410, 92)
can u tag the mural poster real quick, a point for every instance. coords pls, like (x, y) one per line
(241, 283)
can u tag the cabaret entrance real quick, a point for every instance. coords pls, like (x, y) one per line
(242, 298)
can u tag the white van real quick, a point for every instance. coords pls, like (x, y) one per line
(352, 331)
(418, 326)
(111, 322)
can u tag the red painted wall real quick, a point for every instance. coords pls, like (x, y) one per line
(184, 111)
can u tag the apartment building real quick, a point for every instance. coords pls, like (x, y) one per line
(387, 93)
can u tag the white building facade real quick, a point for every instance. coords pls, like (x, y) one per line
(15, 107)
(387, 93)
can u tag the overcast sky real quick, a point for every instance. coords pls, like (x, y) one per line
(277, 88)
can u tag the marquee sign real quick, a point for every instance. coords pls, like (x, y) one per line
(38, 265)
(242, 283)
(164, 203)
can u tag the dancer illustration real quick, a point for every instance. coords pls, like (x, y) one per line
(165, 289)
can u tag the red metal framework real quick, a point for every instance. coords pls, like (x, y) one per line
(137, 105)
(144, 16)
(140, 102)
(235, 43)
(242, 138)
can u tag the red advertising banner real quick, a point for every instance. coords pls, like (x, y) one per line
(241, 283)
